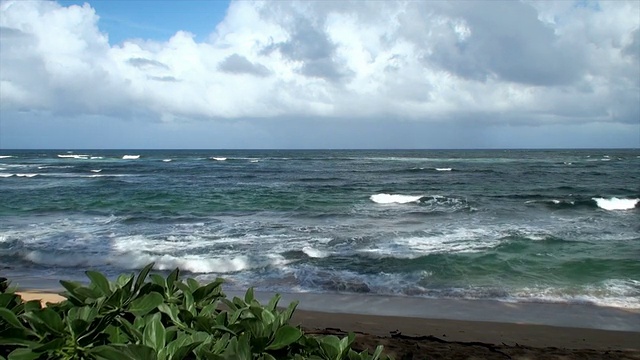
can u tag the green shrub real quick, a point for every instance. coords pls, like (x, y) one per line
(152, 317)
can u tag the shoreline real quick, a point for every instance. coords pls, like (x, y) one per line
(586, 316)
(337, 316)
(441, 338)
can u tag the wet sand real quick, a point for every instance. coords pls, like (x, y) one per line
(420, 337)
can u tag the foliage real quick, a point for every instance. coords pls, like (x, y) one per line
(157, 318)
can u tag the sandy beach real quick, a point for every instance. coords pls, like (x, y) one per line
(440, 338)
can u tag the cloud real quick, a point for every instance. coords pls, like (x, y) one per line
(487, 62)
(143, 63)
(238, 64)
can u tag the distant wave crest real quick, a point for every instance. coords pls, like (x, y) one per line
(615, 203)
(394, 198)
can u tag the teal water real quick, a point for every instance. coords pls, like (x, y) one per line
(518, 225)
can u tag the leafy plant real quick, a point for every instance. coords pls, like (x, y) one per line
(158, 318)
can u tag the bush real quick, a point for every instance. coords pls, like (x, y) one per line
(152, 317)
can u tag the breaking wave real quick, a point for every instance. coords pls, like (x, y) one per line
(394, 198)
(615, 203)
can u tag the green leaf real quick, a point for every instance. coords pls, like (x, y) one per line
(376, 354)
(17, 342)
(123, 279)
(248, 296)
(154, 333)
(99, 281)
(158, 280)
(23, 354)
(285, 336)
(182, 351)
(208, 291)
(172, 311)
(285, 316)
(6, 299)
(33, 305)
(330, 345)
(108, 352)
(137, 351)
(129, 329)
(51, 345)
(52, 318)
(273, 303)
(171, 279)
(142, 276)
(78, 326)
(11, 318)
(193, 284)
(143, 305)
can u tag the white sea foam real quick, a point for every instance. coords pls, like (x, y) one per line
(615, 203)
(219, 158)
(5, 175)
(96, 170)
(55, 167)
(73, 156)
(5, 156)
(444, 169)
(394, 198)
(166, 160)
(26, 175)
(137, 260)
(314, 253)
(130, 157)
(96, 157)
(455, 241)
(611, 293)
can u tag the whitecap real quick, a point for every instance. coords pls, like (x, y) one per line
(166, 160)
(219, 158)
(444, 169)
(394, 198)
(26, 175)
(5, 175)
(137, 260)
(96, 170)
(615, 203)
(130, 157)
(5, 156)
(73, 156)
(314, 253)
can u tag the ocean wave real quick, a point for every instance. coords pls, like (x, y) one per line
(27, 175)
(96, 170)
(395, 198)
(615, 203)
(130, 157)
(137, 260)
(5, 156)
(218, 158)
(73, 156)
(444, 169)
(619, 293)
(314, 253)
(166, 160)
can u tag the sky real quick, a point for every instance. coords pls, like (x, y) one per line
(319, 74)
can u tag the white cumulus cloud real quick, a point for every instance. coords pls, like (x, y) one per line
(519, 62)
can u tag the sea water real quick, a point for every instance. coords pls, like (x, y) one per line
(508, 225)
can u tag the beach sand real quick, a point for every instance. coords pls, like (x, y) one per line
(440, 338)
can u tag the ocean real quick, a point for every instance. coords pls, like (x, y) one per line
(559, 226)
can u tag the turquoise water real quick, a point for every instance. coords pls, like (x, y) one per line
(522, 225)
